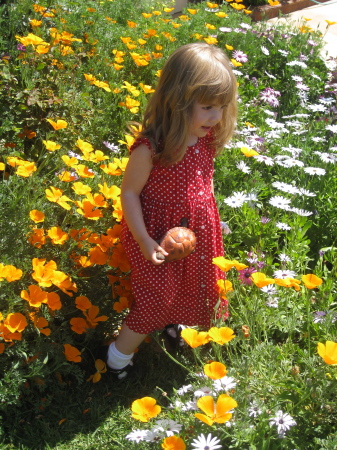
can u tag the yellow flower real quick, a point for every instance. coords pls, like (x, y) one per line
(71, 162)
(35, 23)
(260, 279)
(215, 413)
(57, 236)
(212, 5)
(58, 125)
(194, 338)
(26, 169)
(247, 11)
(221, 335)
(72, 353)
(235, 63)
(147, 15)
(311, 281)
(221, 14)
(192, 11)
(210, 26)
(36, 216)
(131, 24)
(101, 368)
(273, 2)
(288, 282)
(211, 40)
(215, 370)
(145, 409)
(168, 10)
(146, 88)
(237, 6)
(229, 47)
(173, 443)
(328, 352)
(56, 196)
(51, 145)
(329, 22)
(226, 264)
(249, 152)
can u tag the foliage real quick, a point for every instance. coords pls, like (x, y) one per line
(73, 76)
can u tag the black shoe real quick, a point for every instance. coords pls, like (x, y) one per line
(172, 337)
(120, 374)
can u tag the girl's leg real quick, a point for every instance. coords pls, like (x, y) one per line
(128, 340)
(121, 351)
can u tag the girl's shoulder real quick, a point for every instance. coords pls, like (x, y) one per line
(142, 141)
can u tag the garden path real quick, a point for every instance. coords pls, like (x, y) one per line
(318, 15)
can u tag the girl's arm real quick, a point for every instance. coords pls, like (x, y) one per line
(136, 175)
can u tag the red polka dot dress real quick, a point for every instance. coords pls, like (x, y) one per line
(183, 291)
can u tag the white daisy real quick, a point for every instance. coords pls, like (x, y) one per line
(154, 435)
(284, 274)
(272, 302)
(301, 212)
(283, 52)
(317, 139)
(224, 384)
(233, 202)
(243, 167)
(297, 63)
(270, 290)
(283, 422)
(246, 26)
(205, 443)
(314, 171)
(205, 390)
(284, 258)
(280, 202)
(317, 108)
(327, 157)
(306, 192)
(185, 388)
(297, 78)
(266, 159)
(254, 410)
(285, 187)
(264, 50)
(225, 29)
(167, 426)
(136, 435)
(282, 226)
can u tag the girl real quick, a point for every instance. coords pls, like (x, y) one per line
(188, 120)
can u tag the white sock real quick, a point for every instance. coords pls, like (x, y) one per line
(116, 359)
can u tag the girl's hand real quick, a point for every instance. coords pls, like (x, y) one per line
(149, 247)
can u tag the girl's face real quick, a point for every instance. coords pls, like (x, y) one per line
(204, 118)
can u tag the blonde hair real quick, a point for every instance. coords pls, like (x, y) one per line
(195, 72)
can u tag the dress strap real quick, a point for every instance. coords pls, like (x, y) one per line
(139, 141)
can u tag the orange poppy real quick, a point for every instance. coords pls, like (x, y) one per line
(221, 335)
(82, 302)
(215, 413)
(311, 281)
(55, 195)
(288, 282)
(194, 338)
(226, 264)
(260, 279)
(37, 237)
(123, 303)
(54, 301)
(91, 316)
(15, 322)
(101, 368)
(35, 297)
(11, 273)
(145, 409)
(328, 352)
(173, 443)
(58, 125)
(72, 353)
(79, 325)
(36, 216)
(215, 370)
(57, 236)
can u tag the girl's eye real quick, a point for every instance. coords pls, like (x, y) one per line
(207, 108)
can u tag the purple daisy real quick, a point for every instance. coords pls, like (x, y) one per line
(239, 56)
(244, 275)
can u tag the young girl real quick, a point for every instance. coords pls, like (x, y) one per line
(188, 120)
